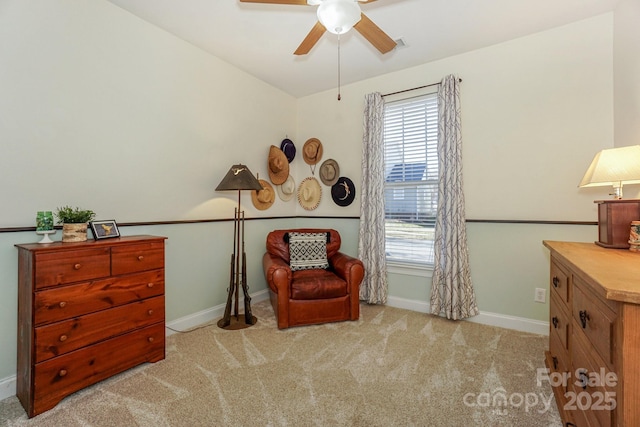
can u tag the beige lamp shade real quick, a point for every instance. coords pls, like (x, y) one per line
(615, 167)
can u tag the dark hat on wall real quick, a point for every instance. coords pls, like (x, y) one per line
(278, 165)
(312, 151)
(329, 172)
(343, 192)
(288, 149)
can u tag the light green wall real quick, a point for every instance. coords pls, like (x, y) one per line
(507, 262)
(9, 300)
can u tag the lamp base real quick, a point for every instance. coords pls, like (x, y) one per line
(237, 322)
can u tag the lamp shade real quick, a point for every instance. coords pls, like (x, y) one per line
(613, 167)
(239, 177)
(338, 16)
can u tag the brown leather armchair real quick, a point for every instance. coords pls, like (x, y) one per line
(307, 297)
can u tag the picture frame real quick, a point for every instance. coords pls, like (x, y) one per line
(104, 229)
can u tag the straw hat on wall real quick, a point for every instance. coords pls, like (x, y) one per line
(278, 165)
(309, 193)
(312, 151)
(287, 189)
(263, 199)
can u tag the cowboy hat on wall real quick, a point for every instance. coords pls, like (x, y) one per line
(263, 199)
(329, 172)
(309, 193)
(287, 189)
(288, 148)
(343, 192)
(278, 165)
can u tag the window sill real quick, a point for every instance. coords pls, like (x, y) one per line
(410, 270)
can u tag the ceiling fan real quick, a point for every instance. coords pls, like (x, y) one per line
(338, 17)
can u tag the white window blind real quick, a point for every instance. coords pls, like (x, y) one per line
(411, 179)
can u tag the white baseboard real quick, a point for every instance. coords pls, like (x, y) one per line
(485, 318)
(187, 322)
(409, 304)
(8, 385)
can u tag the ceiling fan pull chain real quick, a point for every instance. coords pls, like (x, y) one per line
(339, 97)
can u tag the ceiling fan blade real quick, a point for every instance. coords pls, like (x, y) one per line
(378, 38)
(300, 2)
(312, 38)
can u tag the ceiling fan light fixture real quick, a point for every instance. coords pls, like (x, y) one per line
(338, 16)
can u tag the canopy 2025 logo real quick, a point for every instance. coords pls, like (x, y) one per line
(583, 400)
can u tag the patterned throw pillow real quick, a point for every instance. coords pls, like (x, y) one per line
(307, 251)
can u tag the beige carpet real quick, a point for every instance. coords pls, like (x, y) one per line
(393, 367)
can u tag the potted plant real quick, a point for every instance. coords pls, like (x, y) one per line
(74, 223)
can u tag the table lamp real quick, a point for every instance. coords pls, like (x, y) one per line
(615, 167)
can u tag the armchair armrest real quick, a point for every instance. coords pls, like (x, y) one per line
(348, 268)
(277, 272)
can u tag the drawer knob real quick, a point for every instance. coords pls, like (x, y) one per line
(62, 373)
(149, 285)
(150, 312)
(584, 317)
(555, 281)
(77, 266)
(140, 257)
(63, 338)
(554, 320)
(555, 363)
(62, 304)
(150, 339)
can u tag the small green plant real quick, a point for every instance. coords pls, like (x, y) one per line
(69, 215)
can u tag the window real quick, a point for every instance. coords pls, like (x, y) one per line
(411, 179)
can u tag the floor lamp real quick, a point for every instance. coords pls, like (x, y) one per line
(238, 178)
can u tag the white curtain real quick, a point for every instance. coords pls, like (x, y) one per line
(371, 247)
(452, 292)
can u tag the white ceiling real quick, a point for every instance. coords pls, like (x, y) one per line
(260, 38)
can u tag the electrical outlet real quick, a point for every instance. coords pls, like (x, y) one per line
(540, 295)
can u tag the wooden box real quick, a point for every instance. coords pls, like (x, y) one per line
(614, 221)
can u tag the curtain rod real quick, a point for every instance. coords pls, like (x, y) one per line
(414, 88)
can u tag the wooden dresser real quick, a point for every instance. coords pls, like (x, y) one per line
(86, 311)
(594, 338)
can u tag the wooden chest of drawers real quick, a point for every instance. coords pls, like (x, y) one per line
(86, 311)
(594, 339)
